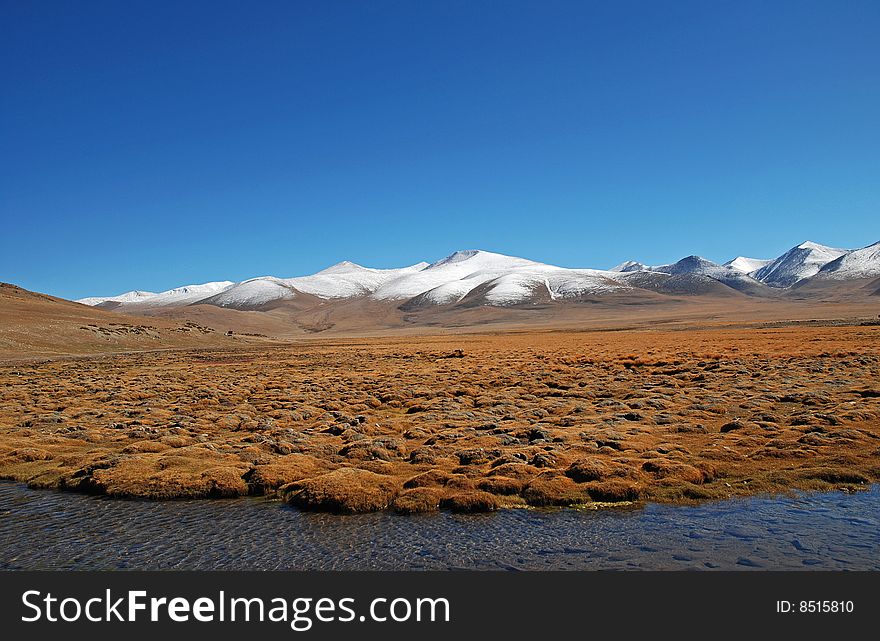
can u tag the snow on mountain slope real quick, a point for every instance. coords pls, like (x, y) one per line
(559, 283)
(347, 280)
(453, 291)
(682, 284)
(630, 266)
(701, 266)
(177, 296)
(519, 284)
(474, 266)
(697, 265)
(859, 263)
(747, 265)
(252, 293)
(127, 297)
(187, 294)
(797, 263)
(483, 277)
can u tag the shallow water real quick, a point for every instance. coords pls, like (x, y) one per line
(52, 530)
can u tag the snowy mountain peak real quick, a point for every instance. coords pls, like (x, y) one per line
(212, 288)
(693, 259)
(746, 265)
(630, 266)
(457, 257)
(859, 263)
(702, 268)
(350, 268)
(452, 277)
(797, 263)
(128, 297)
(689, 265)
(250, 294)
(480, 259)
(341, 267)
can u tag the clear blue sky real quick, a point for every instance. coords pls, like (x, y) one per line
(152, 144)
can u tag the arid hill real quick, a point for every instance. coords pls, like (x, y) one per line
(35, 325)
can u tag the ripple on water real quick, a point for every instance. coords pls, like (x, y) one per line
(53, 530)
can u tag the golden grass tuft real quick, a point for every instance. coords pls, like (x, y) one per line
(469, 502)
(346, 490)
(267, 478)
(417, 500)
(502, 485)
(428, 479)
(614, 491)
(545, 491)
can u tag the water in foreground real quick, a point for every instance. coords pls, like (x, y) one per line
(52, 530)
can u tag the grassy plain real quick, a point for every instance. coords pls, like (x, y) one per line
(468, 422)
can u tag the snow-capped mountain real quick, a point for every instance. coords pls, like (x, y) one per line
(476, 277)
(630, 266)
(177, 296)
(518, 284)
(253, 293)
(690, 274)
(343, 280)
(127, 297)
(747, 265)
(497, 278)
(503, 280)
(696, 265)
(559, 283)
(699, 266)
(797, 263)
(188, 293)
(859, 263)
(347, 280)
(450, 279)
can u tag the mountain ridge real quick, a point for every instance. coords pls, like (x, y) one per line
(490, 278)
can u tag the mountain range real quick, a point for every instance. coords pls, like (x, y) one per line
(482, 278)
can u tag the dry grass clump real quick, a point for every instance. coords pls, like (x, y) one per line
(267, 478)
(145, 447)
(428, 479)
(417, 500)
(591, 469)
(664, 469)
(461, 482)
(614, 491)
(502, 485)
(468, 502)
(169, 477)
(177, 441)
(346, 490)
(27, 455)
(836, 475)
(519, 471)
(546, 490)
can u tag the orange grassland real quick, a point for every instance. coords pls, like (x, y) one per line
(467, 422)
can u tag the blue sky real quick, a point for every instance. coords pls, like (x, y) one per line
(152, 144)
